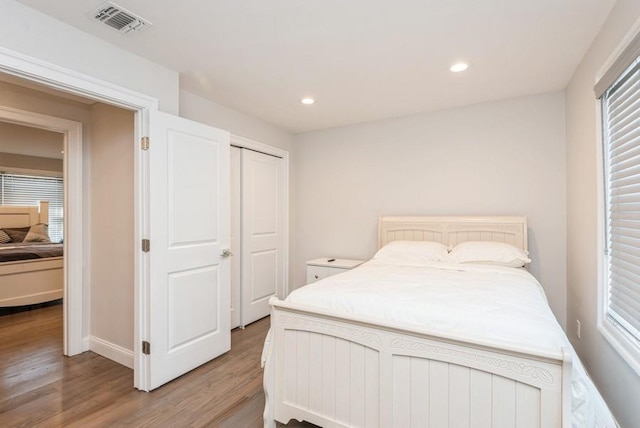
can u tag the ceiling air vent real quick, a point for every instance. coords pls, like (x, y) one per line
(121, 19)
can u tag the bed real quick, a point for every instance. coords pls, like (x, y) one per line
(30, 273)
(343, 353)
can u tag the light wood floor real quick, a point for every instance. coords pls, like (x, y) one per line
(40, 387)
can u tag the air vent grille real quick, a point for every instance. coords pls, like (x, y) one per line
(117, 17)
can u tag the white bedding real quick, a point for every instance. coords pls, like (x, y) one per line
(499, 306)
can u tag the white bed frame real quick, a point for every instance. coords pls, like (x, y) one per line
(31, 281)
(343, 371)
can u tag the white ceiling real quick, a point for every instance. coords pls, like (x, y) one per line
(361, 60)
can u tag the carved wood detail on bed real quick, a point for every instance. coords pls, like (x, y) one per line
(347, 373)
(453, 230)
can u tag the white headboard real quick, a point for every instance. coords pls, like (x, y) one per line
(18, 216)
(453, 230)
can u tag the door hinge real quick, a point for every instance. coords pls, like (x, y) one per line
(146, 245)
(146, 347)
(144, 143)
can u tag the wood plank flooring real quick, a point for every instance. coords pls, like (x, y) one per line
(40, 387)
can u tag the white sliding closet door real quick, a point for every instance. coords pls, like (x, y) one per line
(236, 218)
(262, 233)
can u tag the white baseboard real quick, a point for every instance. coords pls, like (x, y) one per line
(111, 351)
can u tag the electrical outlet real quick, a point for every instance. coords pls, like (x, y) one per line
(578, 329)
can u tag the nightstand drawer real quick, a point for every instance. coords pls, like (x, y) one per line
(322, 268)
(316, 273)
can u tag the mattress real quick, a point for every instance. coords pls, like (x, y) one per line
(14, 252)
(496, 306)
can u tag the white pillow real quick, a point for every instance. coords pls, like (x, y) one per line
(484, 252)
(414, 251)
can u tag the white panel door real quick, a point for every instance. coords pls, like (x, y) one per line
(189, 230)
(262, 233)
(236, 218)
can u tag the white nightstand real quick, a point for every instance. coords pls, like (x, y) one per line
(321, 268)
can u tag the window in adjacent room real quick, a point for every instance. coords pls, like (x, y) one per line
(620, 308)
(27, 190)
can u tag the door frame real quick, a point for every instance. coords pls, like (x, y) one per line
(69, 81)
(74, 311)
(247, 143)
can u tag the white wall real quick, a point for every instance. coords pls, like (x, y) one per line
(35, 34)
(500, 158)
(202, 110)
(618, 383)
(110, 193)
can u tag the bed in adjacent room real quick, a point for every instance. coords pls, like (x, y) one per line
(420, 336)
(31, 267)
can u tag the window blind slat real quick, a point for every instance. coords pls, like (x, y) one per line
(625, 281)
(624, 303)
(625, 268)
(28, 190)
(621, 123)
(623, 140)
(626, 187)
(626, 208)
(624, 113)
(620, 307)
(633, 224)
(623, 85)
(623, 215)
(628, 254)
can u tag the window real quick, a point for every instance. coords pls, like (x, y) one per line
(28, 190)
(621, 139)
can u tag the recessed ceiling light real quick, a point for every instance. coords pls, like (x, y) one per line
(459, 66)
(307, 101)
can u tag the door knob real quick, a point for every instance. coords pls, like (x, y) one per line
(226, 253)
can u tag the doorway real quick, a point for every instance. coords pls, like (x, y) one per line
(143, 108)
(99, 204)
(73, 248)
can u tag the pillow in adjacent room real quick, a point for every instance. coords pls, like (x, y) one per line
(414, 251)
(4, 238)
(493, 253)
(38, 233)
(17, 234)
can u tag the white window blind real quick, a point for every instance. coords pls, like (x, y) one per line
(621, 132)
(28, 190)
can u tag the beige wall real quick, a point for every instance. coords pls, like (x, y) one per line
(38, 102)
(111, 226)
(30, 150)
(500, 158)
(107, 162)
(619, 384)
(30, 164)
(25, 140)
